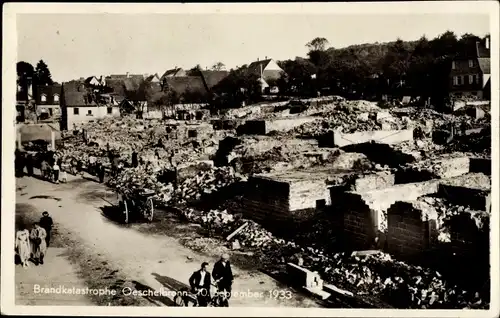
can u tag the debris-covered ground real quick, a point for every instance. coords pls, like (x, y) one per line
(166, 147)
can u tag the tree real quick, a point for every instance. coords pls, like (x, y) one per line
(219, 66)
(42, 74)
(194, 71)
(317, 44)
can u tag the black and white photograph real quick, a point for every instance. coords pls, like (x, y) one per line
(295, 158)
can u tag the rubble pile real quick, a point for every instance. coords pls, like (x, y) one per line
(446, 212)
(400, 284)
(348, 120)
(204, 183)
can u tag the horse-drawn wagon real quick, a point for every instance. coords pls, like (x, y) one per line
(136, 202)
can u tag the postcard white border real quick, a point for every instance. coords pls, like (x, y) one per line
(9, 56)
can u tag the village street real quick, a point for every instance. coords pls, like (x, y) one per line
(150, 261)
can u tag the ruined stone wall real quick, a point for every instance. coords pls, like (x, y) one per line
(379, 136)
(286, 124)
(305, 194)
(263, 127)
(411, 229)
(359, 221)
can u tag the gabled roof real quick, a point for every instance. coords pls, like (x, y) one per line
(89, 79)
(183, 84)
(212, 78)
(173, 72)
(255, 67)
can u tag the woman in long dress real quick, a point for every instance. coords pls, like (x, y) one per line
(23, 247)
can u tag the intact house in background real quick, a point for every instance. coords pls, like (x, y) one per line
(268, 71)
(79, 106)
(175, 72)
(470, 71)
(47, 99)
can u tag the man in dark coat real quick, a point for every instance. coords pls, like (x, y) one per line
(223, 275)
(200, 283)
(29, 164)
(19, 163)
(46, 223)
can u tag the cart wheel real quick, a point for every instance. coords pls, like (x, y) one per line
(125, 210)
(149, 211)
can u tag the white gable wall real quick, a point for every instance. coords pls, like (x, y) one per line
(273, 66)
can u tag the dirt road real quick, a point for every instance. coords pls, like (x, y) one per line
(153, 261)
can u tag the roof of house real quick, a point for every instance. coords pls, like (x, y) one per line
(183, 84)
(75, 95)
(255, 67)
(484, 64)
(151, 77)
(171, 72)
(120, 76)
(213, 78)
(89, 79)
(133, 83)
(482, 50)
(116, 85)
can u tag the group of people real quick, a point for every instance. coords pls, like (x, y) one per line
(201, 280)
(33, 244)
(50, 165)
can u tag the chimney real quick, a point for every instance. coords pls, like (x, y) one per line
(266, 57)
(257, 59)
(487, 42)
(127, 74)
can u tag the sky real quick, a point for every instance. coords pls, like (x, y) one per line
(82, 45)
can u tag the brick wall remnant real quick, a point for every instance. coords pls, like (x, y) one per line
(412, 228)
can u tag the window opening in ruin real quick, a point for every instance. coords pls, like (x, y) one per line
(110, 110)
(76, 111)
(50, 111)
(89, 112)
(192, 134)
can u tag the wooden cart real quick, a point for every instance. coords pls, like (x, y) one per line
(137, 202)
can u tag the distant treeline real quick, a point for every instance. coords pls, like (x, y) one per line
(416, 68)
